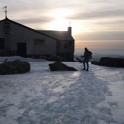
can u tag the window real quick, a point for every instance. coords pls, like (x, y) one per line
(39, 41)
(68, 45)
(6, 27)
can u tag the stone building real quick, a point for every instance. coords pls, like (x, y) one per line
(17, 39)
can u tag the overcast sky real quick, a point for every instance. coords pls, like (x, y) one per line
(91, 20)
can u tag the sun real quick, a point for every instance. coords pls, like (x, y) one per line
(60, 13)
(59, 24)
(61, 21)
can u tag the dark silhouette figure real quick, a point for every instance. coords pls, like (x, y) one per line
(86, 60)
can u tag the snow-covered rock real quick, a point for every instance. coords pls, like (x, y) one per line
(14, 67)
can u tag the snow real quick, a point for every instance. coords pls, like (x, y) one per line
(44, 97)
(2, 59)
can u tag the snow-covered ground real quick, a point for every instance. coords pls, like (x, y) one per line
(44, 97)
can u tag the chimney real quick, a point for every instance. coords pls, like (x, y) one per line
(70, 30)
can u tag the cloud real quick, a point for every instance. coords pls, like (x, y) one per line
(105, 17)
(98, 14)
(110, 25)
(111, 22)
(108, 35)
(34, 20)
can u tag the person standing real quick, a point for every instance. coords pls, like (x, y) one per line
(86, 59)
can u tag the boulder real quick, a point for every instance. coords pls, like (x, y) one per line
(78, 59)
(110, 62)
(14, 67)
(59, 66)
(95, 63)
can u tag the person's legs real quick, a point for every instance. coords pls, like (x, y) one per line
(87, 63)
(83, 65)
(86, 67)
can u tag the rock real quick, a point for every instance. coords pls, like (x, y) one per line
(58, 66)
(14, 67)
(95, 63)
(78, 59)
(110, 62)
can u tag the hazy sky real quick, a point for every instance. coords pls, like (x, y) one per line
(91, 20)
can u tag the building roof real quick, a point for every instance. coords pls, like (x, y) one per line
(59, 35)
(56, 35)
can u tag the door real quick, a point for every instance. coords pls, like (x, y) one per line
(22, 49)
(2, 43)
